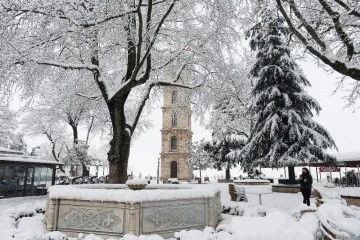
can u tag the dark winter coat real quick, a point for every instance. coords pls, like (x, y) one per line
(305, 181)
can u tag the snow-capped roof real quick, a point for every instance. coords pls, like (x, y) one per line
(347, 157)
(8, 150)
(8, 157)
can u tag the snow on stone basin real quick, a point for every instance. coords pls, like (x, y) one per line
(136, 181)
(120, 193)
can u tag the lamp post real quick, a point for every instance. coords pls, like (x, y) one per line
(158, 172)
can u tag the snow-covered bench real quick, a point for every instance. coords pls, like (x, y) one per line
(237, 193)
(339, 221)
(333, 214)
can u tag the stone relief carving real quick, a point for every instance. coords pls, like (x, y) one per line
(177, 217)
(90, 219)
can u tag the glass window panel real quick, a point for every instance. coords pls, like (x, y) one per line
(173, 143)
(2, 172)
(37, 176)
(49, 177)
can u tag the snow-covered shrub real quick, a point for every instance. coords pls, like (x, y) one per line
(244, 209)
(24, 210)
(329, 185)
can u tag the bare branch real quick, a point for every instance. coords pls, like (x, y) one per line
(146, 56)
(345, 38)
(306, 25)
(95, 97)
(324, 55)
(70, 66)
(350, 11)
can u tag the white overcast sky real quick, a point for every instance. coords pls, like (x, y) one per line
(342, 123)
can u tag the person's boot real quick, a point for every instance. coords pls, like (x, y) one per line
(304, 201)
(308, 202)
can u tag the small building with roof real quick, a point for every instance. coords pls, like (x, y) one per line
(348, 160)
(24, 175)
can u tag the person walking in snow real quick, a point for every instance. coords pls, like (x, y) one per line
(306, 185)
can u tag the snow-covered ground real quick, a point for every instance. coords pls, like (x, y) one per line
(277, 218)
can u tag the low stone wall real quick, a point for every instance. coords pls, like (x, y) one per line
(113, 219)
(251, 182)
(286, 188)
(352, 200)
(225, 180)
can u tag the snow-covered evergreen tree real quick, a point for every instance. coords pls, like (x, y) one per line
(223, 149)
(283, 133)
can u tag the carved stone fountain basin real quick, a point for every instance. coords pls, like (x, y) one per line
(112, 210)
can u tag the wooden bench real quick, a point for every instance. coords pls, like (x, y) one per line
(232, 192)
(237, 193)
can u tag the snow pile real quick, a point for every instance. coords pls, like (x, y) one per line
(126, 195)
(142, 237)
(30, 227)
(275, 225)
(53, 236)
(7, 227)
(23, 221)
(207, 234)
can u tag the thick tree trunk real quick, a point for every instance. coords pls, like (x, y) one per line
(76, 141)
(85, 171)
(200, 176)
(118, 155)
(75, 133)
(291, 174)
(227, 173)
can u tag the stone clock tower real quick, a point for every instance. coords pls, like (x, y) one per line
(176, 134)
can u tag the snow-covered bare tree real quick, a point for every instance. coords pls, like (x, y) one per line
(8, 124)
(199, 158)
(58, 103)
(230, 100)
(228, 104)
(8, 135)
(283, 133)
(125, 46)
